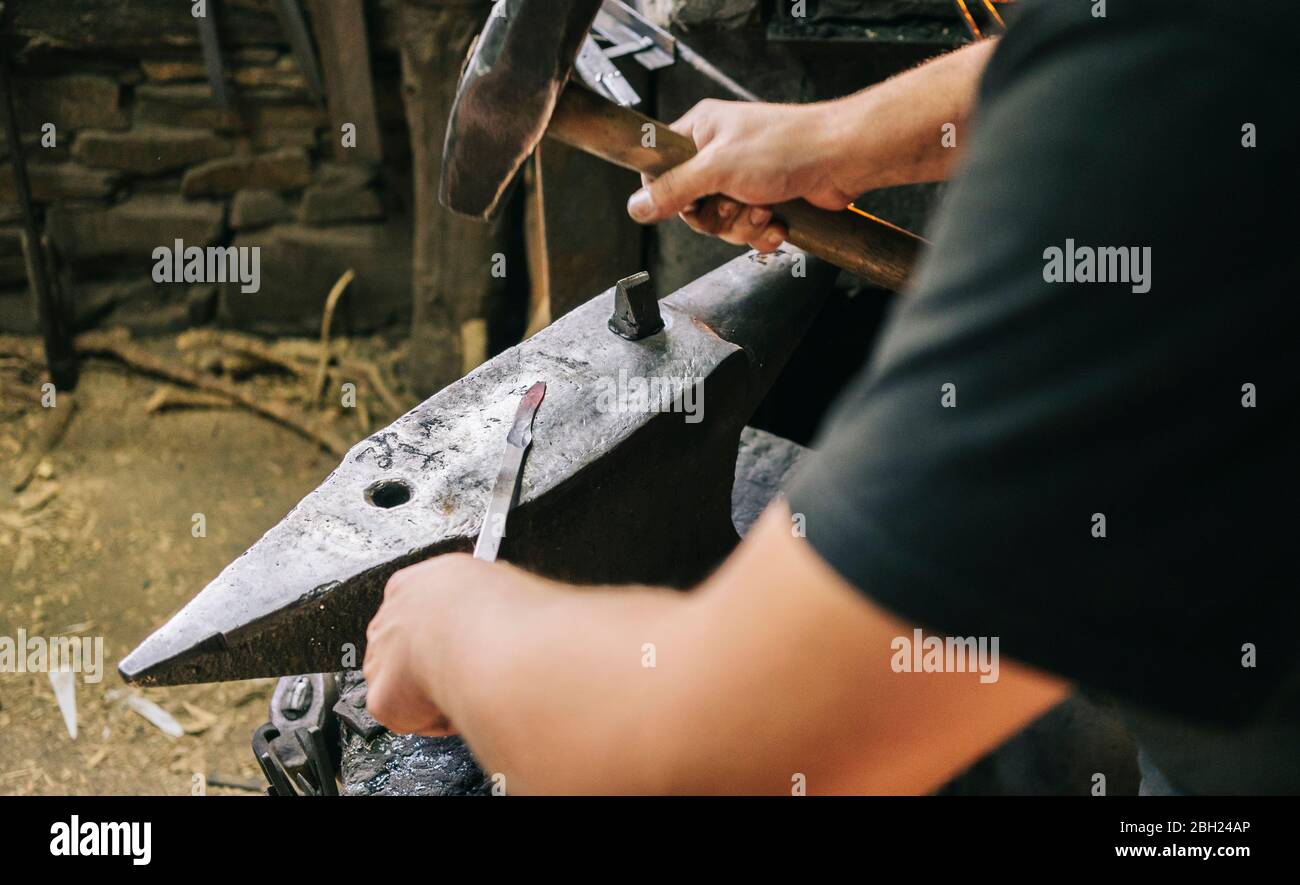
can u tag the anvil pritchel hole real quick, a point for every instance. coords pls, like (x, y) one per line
(388, 493)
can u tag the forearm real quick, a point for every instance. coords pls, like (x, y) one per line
(908, 129)
(894, 132)
(773, 672)
(556, 688)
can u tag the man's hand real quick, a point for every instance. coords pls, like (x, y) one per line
(425, 610)
(398, 640)
(750, 156)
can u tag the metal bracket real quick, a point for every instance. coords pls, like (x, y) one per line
(627, 32)
(630, 33)
(636, 313)
(293, 749)
(601, 75)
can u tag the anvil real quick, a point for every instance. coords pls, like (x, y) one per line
(616, 488)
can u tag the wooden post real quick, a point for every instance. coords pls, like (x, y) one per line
(459, 264)
(60, 353)
(340, 29)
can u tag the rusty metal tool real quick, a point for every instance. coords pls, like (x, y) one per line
(212, 63)
(505, 491)
(294, 25)
(515, 88)
(615, 491)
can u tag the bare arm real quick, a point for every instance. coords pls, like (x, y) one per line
(755, 155)
(895, 129)
(774, 668)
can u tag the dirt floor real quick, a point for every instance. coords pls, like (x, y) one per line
(100, 543)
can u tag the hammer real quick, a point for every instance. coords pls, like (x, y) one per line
(515, 88)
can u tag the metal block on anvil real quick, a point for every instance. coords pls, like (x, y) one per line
(610, 492)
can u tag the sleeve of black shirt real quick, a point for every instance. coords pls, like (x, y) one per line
(1078, 402)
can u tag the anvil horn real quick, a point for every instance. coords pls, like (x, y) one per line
(612, 491)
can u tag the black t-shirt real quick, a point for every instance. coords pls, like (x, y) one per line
(1100, 473)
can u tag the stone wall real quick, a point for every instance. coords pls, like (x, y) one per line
(140, 156)
(143, 156)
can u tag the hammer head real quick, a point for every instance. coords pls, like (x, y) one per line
(506, 95)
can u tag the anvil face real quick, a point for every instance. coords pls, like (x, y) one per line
(612, 491)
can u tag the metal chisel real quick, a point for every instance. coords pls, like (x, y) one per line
(506, 489)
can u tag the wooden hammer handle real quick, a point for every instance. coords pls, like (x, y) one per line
(862, 244)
